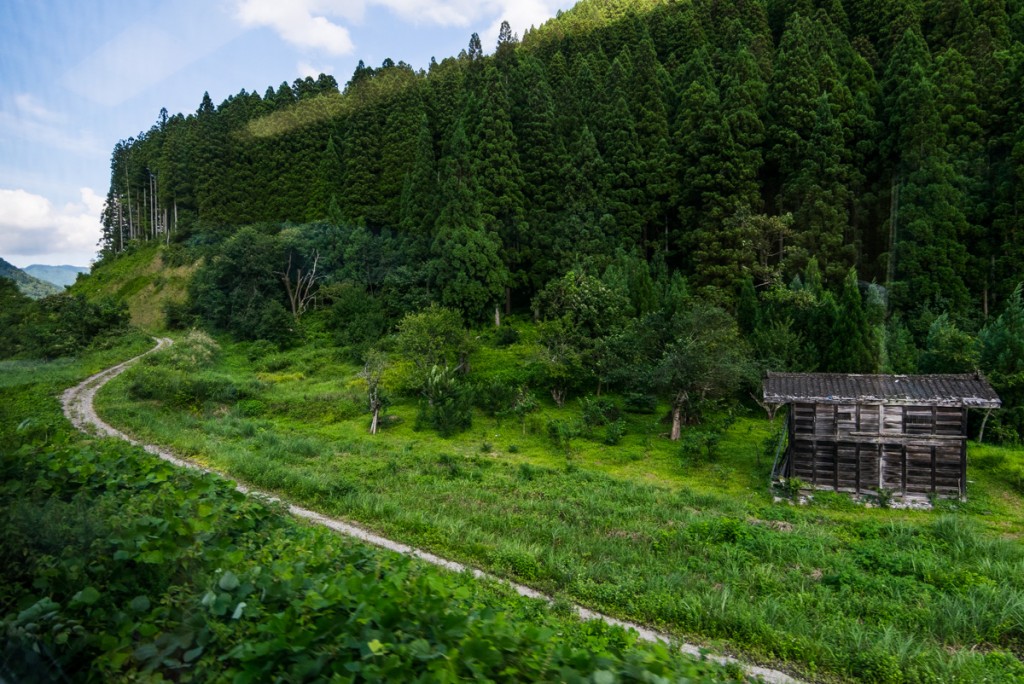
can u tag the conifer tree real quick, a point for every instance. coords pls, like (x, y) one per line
(929, 262)
(821, 198)
(792, 100)
(417, 211)
(467, 269)
(544, 163)
(399, 140)
(327, 184)
(853, 347)
(498, 174)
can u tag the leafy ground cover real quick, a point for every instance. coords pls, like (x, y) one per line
(643, 528)
(119, 567)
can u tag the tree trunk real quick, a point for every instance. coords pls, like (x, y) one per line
(677, 416)
(497, 317)
(981, 432)
(373, 425)
(677, 423)
(558, 395)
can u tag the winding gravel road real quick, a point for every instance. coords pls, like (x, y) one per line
(79, 409)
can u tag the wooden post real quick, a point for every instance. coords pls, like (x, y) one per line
(963, 452)
(856, 451)
(933, 469)
(791, 426)
(835, 465)
(903, 475)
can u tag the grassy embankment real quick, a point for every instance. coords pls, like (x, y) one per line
(142, 279)
(119, 567)
(698, 548)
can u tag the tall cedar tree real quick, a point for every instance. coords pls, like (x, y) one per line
(853, 348)
(496, 168)
(466, 269)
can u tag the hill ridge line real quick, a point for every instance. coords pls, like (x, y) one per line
(77, 403)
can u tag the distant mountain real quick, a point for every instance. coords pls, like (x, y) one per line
(61, 276)
(31, 286)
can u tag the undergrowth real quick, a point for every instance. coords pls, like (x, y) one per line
(696, 546)
(119, 567)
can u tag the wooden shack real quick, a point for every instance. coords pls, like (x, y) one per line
(906, 434)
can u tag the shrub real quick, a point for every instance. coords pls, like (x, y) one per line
(636, 402)
(196, 350)
(598, 411)
(561, 433)
(614, 432)
(506, 336)
(447, 404)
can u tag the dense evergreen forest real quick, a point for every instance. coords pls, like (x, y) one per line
(838, 183)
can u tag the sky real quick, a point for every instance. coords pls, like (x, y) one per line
(76, 77)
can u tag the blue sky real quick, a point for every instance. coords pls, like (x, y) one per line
(76, 77)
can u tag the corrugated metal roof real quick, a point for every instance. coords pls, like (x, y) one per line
(971, 390)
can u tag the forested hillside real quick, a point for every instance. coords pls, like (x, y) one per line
(844, 178)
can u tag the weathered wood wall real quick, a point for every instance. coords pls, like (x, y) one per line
(861, 448)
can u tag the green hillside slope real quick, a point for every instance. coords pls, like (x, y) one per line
(141, 279)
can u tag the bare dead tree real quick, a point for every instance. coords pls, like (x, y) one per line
(300, 289)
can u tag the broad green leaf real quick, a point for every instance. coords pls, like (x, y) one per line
(228, 581)
(87, 596)
(139, 604)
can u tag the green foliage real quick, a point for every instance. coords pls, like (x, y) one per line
(447, 404)
(949, 349)
(356, 318)
(124, 567)
(58, 325)
(1002, 359)
(854, 347)
(433, 339)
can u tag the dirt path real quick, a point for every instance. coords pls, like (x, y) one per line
(78, 408)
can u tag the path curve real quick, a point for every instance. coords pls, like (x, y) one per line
(78, 408)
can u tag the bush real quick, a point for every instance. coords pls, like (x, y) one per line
(178, 315)
(447, 403)
(196, 350)
(598, 411)
(184, 389)
(495, 396)
(637, 402)
(561, 433)
(506, 336)
(614, 432)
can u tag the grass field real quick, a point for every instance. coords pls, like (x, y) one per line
(698, 547)
(120, 567)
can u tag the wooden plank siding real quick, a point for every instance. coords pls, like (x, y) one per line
(859, 448)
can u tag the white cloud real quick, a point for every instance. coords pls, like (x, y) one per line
(521, 14)
(49, 133)
(308, 23)
(303, 23)
(27, 104)
(311, 70)
(32, 229)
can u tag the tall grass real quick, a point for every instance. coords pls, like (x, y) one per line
(703, 552)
